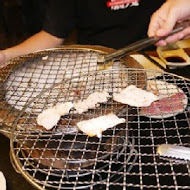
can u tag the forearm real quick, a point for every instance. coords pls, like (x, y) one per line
(39, 41)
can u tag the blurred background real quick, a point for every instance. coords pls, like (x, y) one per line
(20, 19)
(13, 17)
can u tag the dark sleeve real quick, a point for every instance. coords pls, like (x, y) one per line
(60, 17)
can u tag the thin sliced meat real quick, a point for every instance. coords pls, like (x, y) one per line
(63, 108)
(95, 126)
(50, 117)
(171, 104)
(134, 96)
(92, 101)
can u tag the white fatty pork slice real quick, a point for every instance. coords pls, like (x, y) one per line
(95, 126)
(2, 181)
(134, 96)
(91, 102)
(63, 108)
(50, 117)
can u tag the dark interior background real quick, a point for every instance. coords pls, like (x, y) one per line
(20, 19)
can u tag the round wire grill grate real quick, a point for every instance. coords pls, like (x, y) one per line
(65, 158)
(25, 77)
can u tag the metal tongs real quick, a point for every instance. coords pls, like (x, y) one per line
(134, 47)
(174, 151)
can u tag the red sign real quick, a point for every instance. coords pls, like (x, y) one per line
(120, 2)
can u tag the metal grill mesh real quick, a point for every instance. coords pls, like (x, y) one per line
(124, 158)
(39, 73)
(24, 78)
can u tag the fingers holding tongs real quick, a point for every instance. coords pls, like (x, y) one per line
(183, 34)
(135, 47)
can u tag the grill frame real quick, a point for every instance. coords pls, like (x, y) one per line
(8, 114)
(147, 137)
(143, 138)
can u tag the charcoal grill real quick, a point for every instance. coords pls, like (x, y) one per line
(124, 157)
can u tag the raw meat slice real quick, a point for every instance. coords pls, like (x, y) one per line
(134, 96)
(97, 125)
(63, 108)
(99, 97)
(81, 107)
(92, 101)
(172, 100)
(167, 105)
(50, 117)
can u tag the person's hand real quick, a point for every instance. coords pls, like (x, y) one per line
(171, 14)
